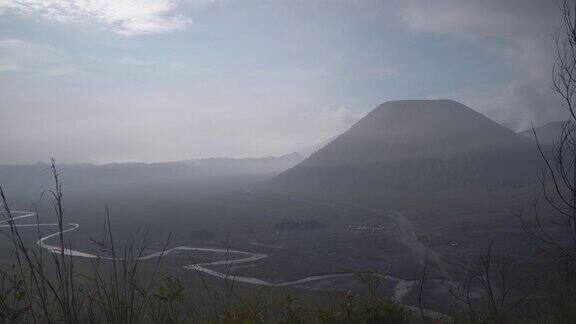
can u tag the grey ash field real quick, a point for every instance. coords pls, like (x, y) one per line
(389, 235)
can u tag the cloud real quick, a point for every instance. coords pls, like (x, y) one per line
(126, 17)
(522, 26)
(517, 31)
(516, 105)
(162, 124)
(22, 56)
(331, 121)
(512, 18)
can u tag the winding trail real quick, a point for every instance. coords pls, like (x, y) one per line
(244, 256)
(402, 289)
(421, 251)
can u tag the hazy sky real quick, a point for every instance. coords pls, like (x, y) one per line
(158, 80)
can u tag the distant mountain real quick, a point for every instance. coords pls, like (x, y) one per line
(229, 166)
(547, 134)
(416, 145)
(85, 176)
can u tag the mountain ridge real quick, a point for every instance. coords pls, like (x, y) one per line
(547, 134)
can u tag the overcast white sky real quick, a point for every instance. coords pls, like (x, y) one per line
(159, 80)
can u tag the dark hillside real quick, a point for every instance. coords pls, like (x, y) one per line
(416, 145)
